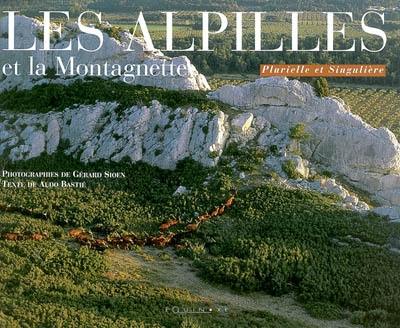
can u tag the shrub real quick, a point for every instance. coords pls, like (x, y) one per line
(321, 87)
(358, 317)
(111, 31)
(189, 323)
(51, 73)
(327, 174)
(376, 315)
(190, 173)
(274, 150)
(289, 167)
(273, 240)
(248, 158)
(232, 150)
(57, 97)
(325, 311)
(280, 241)
(298, 132)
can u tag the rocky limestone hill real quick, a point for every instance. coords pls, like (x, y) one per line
(263, 115)
(260, 114)
(113, 52)
(341, 141)
(156, 134)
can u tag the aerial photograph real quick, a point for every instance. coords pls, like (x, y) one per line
(199, 164)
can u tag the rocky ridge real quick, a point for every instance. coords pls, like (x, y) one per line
(157, 135)
(263, 114)
(339, 141)
(162, 136)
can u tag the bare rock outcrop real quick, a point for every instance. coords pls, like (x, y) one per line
(157, 135)
(339, 140)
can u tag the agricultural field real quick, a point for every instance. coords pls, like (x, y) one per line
(188, 24)
(378, 107)
(277, 25)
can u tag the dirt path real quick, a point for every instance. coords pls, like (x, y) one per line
(172, 271)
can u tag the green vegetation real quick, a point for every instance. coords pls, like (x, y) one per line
(321, 87)
(213, 154)
(140, 201)
(123, 6)
(325, 311)
(274, 149)
(371, 319)
(275, 240)
(289, 167)
(54, 284)
(298, 132)
(247, 159)
(112, 31)
(51, 73)
(44, 98)
(281, 241)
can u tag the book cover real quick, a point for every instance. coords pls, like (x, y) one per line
(199, 163)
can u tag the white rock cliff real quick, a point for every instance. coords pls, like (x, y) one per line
(340, 141)
(157, 135)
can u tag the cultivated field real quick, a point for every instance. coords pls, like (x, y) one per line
(378, 107)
